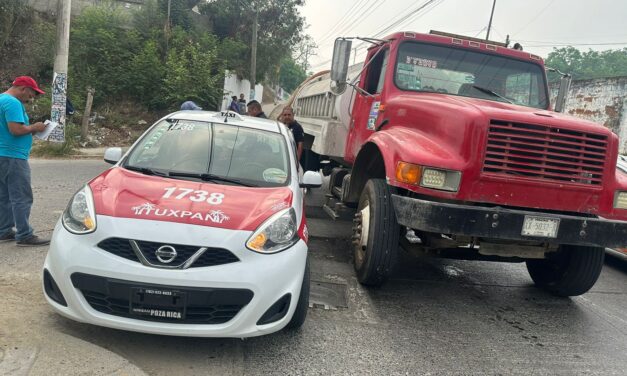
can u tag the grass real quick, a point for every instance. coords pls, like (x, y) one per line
(55, 149)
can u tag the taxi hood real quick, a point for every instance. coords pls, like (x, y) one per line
(122, 193)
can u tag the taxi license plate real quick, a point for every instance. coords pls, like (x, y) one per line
(164, 304)
(543, 227)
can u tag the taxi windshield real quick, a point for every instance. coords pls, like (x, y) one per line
(215, 152)
(457, 71)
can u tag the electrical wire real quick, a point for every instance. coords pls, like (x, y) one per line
(533, 19)
(393, 22)
(339, 23)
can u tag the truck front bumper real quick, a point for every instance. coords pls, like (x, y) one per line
(505, 224)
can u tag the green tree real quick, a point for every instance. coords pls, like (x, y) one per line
(12, 12)
(102, 49)
(586, 65)
(280, 30)
(291, 75)
(193, 71)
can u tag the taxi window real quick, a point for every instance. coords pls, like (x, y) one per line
(253, 156)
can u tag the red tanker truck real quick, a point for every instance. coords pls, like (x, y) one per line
(449, 146)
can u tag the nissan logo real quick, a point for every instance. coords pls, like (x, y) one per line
(166, 254)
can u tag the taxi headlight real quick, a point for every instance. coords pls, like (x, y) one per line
(621, 200)
(440, 179)
(276, 234)
(80, 215)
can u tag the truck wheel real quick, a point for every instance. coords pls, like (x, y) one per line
(571, 271)
(303, 303)
(375, 234)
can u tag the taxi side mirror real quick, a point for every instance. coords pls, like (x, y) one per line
(311, 179)
(113, 155)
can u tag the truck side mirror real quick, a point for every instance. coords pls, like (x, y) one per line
(341, 57)
(562, 94)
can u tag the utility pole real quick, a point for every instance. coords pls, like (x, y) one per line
(487, 37)
(166, 29)
(59, 80)
(86, 113)
(253, 56)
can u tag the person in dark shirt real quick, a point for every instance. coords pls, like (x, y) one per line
(287, 118)
(234, 106)
(254, 109)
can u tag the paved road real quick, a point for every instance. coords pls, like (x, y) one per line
(434, 317)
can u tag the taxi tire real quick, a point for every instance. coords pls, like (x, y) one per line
(381, 250)
(300, 313)
(571, 271)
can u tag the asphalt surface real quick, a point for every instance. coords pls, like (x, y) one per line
(434, 317)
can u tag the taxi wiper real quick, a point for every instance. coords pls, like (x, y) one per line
(209, 177)
(145, 170)
(492, 93)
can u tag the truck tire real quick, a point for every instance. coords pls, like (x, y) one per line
(375, 238)
(571, 271)
(302, 306)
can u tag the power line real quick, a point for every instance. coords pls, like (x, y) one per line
(534, 18)
(367, 12)
(331, 31)
(359, 14)
(397, 22)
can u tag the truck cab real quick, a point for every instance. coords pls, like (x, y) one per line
(452, 148)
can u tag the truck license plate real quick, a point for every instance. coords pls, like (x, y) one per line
(540, 226)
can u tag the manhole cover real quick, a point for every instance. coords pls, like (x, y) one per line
(328, 295)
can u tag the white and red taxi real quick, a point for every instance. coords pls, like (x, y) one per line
(198, 230)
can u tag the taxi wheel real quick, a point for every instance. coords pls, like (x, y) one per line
(570, 271)
(375, 234)
(303, 302)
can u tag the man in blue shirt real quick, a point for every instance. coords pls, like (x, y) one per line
(16, 139)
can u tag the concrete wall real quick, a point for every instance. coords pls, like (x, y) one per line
(235, 86)
(50, 6)
(602, 101)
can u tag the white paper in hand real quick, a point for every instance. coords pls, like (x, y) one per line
(50, 126)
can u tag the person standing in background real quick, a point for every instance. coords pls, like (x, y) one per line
(16, 140)
(254, 109)
(242, 104)
(287, 118)
(234, 106)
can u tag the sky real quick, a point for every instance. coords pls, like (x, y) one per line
(539, 25)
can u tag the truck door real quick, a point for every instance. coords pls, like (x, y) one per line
(366, 106)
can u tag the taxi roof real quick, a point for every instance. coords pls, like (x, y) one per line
(228, 117)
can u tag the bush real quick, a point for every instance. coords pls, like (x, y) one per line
(55, 149)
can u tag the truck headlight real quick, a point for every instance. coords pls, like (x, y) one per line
(446, 180)
(276, 234)
(80, 215)
(620, 202)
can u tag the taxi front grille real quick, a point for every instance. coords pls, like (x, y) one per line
(123, 248)
(545, 153)
(203, 305)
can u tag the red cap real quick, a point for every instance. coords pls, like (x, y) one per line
(28, 82)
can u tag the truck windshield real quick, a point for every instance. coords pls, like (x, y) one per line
(442, 69)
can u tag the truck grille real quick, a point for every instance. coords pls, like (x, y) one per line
(541, 152)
